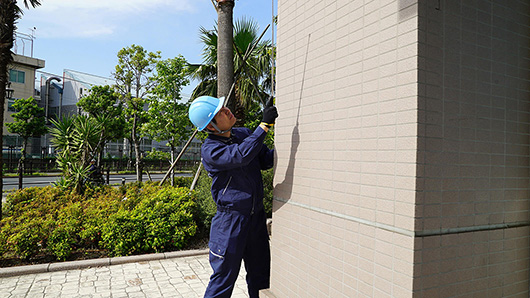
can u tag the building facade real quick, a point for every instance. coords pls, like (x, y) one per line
(61, 95)
(22, 82)
(402, 149)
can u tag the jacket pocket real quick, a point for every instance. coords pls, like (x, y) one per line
(220, 234)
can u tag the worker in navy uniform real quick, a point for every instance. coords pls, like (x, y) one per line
(234, 158)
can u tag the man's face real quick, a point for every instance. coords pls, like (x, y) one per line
(224, 119)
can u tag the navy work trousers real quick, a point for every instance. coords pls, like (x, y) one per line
(234, 237)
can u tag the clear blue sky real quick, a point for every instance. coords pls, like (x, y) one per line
(87, 35)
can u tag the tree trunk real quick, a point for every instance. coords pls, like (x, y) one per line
(172, 161)
(136, 144)
(22, 163)
(7, 29)
(225, 50)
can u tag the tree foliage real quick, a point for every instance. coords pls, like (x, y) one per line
(133, 81)
(103, 104)
(29, 120)
(167, 113)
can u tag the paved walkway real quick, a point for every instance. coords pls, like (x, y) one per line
(177, 274)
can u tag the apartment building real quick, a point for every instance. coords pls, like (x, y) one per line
(22, 83)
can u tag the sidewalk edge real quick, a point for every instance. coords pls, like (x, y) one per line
(81, 264)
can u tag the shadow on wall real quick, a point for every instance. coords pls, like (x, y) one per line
(285, 188)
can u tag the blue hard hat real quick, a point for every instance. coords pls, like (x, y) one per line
(203, 109)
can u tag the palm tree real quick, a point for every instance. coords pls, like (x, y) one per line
(9, 14)
(225, 53)
(76, 140)
(253, 81)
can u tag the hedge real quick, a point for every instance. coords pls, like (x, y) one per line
(137, 218)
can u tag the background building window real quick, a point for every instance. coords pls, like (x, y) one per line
(17, 76)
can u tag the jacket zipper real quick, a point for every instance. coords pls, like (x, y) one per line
(224, 190)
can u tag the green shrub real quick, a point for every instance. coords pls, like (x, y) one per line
(61, 243)
(160, 221)
(27, 241)
(3, 243)
(268, 189)
(182, 181)
(207, 207)
(64, 238)
(123, 234)
(137, 218)
(96, 212)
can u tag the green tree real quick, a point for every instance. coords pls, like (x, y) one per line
(133, 82)
(10, 12)
(253, 81)
(76, 140)
(29, 121)
(103, 104)
(167, 114)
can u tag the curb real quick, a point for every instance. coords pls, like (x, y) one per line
(75, 265)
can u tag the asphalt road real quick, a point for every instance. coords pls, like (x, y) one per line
(11, 183)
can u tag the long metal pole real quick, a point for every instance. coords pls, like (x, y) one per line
(179, 156)
(196, 176)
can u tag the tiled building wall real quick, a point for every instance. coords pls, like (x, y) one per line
(402, 149)
(473, 159)
(346, 149)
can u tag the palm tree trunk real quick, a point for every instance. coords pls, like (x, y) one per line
(8, 16)
(225, 51)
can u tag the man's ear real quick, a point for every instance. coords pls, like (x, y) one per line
(210, 127)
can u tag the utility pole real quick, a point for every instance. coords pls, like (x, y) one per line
(225, 50)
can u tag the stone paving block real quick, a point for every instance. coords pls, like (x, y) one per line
(183, 277)
(118, 294)
(69, 293)
(137, 295)
(37, 293)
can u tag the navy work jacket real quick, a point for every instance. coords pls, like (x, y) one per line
(235, 166)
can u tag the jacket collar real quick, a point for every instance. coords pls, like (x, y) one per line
(221, 138)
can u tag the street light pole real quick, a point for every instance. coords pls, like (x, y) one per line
(8, 95)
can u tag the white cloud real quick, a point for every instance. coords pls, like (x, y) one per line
(93, 18)
(125, 6)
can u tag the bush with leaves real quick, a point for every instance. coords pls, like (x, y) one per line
(137, 218)
(207, 207)
(163, 219)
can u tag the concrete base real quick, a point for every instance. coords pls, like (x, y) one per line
(266, 294)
